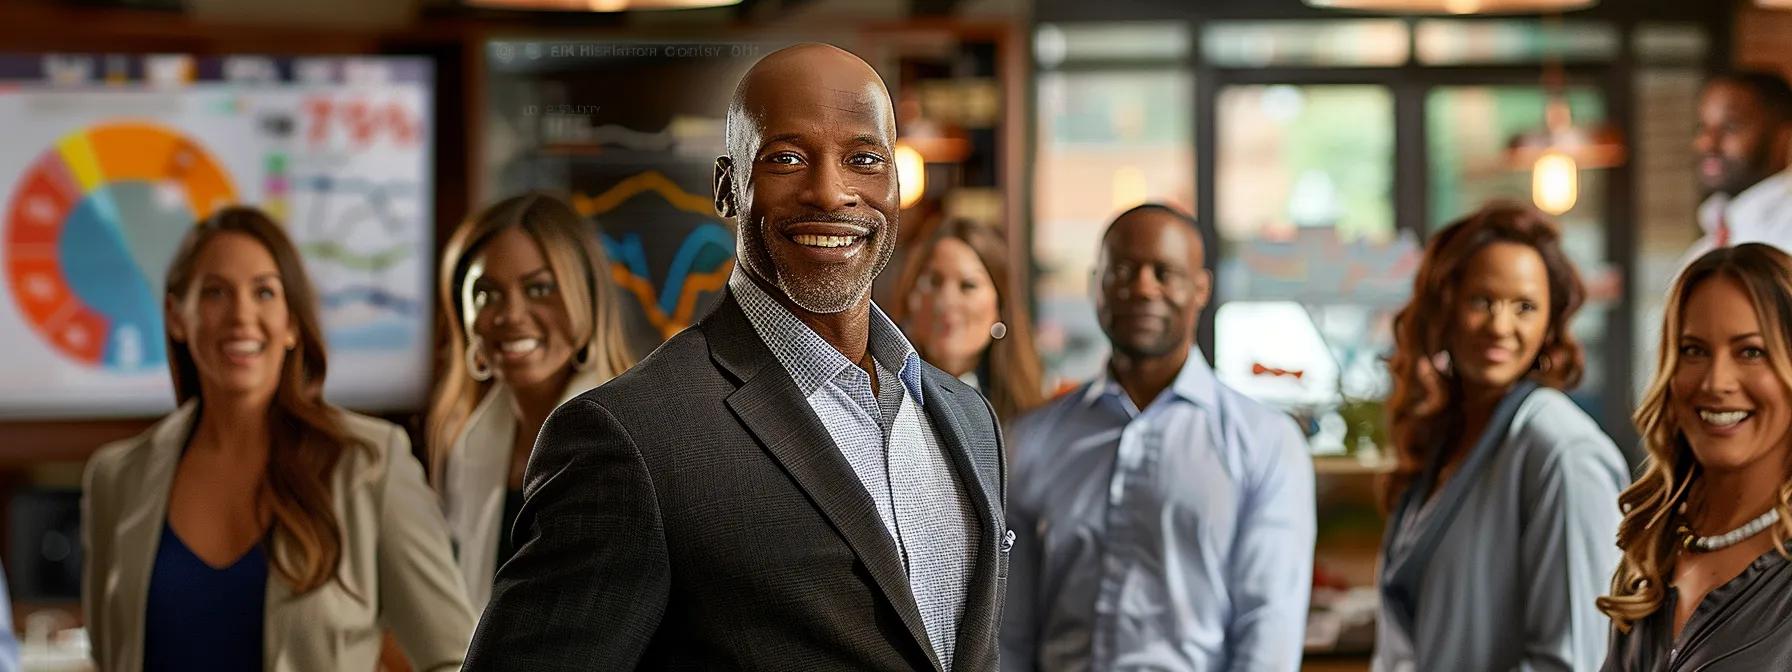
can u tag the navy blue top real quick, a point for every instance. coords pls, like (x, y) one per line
(202, 618)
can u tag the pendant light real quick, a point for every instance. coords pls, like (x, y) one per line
(1462, 6)
(1556, 153)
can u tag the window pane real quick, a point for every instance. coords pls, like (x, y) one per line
(1107, 141)
(1305, 208)
(1468, 129)
(1485, 42)
(1056, 43)
(1347, 42)
(1670, 43)
(1295, 157)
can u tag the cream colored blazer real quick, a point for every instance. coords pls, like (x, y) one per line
(475, 478)
(397, 567)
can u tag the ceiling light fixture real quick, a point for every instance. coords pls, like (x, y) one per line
(598, 5)
(1461, 6)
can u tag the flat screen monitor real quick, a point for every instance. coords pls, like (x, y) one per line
(107, 161)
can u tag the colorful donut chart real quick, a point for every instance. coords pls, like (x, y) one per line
(90, 231)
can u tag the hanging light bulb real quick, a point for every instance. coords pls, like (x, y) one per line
(911, 174)
(1555, 182)
(1555, 153)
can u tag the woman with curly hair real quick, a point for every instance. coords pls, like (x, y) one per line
(1501, 499)
(1706, 578)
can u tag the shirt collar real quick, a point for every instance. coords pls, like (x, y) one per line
(1745, 208)
(1195, 383)
(809, 359)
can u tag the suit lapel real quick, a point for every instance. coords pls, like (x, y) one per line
(770, 406)
(976, 468)
(140, 530)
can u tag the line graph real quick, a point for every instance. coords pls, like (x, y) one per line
(358, 234)
(369, 295)
(701, 263)
(339, 254)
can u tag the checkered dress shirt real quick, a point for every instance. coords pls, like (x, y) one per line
(892, 447)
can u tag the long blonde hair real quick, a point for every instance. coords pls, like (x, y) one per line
(582, 271)
(1645, 535)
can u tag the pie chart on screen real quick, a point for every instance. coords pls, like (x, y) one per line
(89, 231)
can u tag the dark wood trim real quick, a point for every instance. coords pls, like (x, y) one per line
(1621, 250)
(1205, 109)
(35, 441)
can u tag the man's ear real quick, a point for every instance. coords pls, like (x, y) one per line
(1203, 281)
(724, 187)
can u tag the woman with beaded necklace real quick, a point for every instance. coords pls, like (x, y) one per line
(1706, 580)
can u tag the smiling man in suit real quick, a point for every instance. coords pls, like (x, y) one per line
(785, 485)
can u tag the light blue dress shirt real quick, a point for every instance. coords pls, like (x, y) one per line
(893, 449)
(1178, 537)
(9, 643)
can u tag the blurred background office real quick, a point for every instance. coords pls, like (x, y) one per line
(1323, 139)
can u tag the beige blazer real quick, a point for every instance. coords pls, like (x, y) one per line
(475, 477)
(395, 556)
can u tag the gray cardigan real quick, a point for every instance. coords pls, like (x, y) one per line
(1514, 573)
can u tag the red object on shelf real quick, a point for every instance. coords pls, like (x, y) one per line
(1258, 369)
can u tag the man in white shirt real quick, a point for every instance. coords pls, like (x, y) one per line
(1745, 125)
(1740, 149)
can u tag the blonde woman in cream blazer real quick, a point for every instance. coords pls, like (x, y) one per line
(475, 481)
(528, 286)
(396, 571)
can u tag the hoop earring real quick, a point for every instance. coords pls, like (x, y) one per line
(999, 330)
(476, 367)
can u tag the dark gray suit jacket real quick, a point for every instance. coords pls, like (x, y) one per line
(693, 513)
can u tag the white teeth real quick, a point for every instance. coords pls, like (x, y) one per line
(244, 347)
(1724, 418)
(520, 345)
(824, 241)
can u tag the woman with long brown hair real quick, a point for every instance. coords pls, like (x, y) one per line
(531, 320)
(258, 527)
(1706, 578)
(962, 317)
(1500, 502)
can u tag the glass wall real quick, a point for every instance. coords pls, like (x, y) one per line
(1312, 266)
(1468, 129)
(1109, 138)
(1313, 205)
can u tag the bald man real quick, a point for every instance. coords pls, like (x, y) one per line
(1166, 521)
(785, 485)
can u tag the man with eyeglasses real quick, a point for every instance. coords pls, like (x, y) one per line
(1163, 521)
